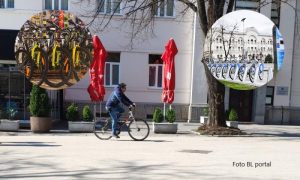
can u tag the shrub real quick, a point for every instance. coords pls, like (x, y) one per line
(39, 102)
(87, 114)
(72, 113)
(170, 115)
(269, 59)
(233, 116)
(11, 110)
(11, 113)
(205, 111)
(157, 115)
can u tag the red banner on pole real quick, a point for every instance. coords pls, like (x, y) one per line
(96, 88)
(168, 58)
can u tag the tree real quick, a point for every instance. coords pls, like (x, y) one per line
(142, 13)
(227, 41)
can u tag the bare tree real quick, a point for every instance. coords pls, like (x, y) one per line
(229, 40)
(210, 39)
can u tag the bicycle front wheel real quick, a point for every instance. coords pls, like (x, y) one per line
(138, 130)
(102, 129)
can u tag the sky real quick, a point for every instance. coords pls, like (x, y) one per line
(253, 19)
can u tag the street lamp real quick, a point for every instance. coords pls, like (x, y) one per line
(243, 56)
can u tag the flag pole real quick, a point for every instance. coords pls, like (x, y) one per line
(95, 111)
(164, 111)
(100, 110)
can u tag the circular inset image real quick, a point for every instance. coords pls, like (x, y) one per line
(244, 50)
(54, 49)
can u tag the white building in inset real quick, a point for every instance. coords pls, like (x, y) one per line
(257, 45)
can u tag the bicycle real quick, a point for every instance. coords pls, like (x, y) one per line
(138, 129)
(59, 59)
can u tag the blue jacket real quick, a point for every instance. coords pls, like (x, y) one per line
(116, 97)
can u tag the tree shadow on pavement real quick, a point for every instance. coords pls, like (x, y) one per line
(35, 168)
(147, 140)
(30, 143)
(275, 134)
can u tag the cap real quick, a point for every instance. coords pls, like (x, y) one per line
(122, 85)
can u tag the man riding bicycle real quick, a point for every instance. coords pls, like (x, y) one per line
(113, 105)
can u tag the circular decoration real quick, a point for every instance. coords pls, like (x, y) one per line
(244, 50)
(54, 49)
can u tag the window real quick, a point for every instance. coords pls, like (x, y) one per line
(2, 3)
(270, 95)
(56, 4)
(109, 6)
(7, 42)
(7, 4)
(112, 68)
(275, 12)
(165, 8)
(155, 71)
(247, 4)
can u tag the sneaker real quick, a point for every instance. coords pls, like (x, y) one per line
(115, 136)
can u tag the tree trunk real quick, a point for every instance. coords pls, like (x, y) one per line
(216, 91)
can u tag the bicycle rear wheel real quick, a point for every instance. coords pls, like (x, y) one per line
(102, 129)
(59, 68)
(40, 66)
(138, 129)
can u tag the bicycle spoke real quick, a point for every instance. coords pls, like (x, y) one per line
(102, 129)
(138, 130)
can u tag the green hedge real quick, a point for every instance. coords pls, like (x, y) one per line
(39, 102)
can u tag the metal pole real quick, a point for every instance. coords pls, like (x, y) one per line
(100, 109)
(243, 56)
(95, 111)
(164, 111)
(24, 104)
(9, 90)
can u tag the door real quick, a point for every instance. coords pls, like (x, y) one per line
(241, 101)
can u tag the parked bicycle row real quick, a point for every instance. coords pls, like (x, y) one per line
(233, 70)
(47, 52)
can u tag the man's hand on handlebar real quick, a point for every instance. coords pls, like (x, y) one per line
(132, 106)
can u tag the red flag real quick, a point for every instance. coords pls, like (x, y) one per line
(168, 58)
(61, 19)
(96, 88)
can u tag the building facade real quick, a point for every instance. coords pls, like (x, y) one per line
(256, 46)
(139, 65)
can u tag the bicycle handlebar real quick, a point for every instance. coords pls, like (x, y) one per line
(131, 107)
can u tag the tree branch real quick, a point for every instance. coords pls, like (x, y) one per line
(230, 6)
(189, 4)
(202, 15)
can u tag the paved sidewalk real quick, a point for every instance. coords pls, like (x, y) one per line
(254, 130)
(161, 156)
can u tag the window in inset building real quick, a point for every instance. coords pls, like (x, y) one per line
(155, 71)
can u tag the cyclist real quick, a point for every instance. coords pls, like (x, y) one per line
(113, 105)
